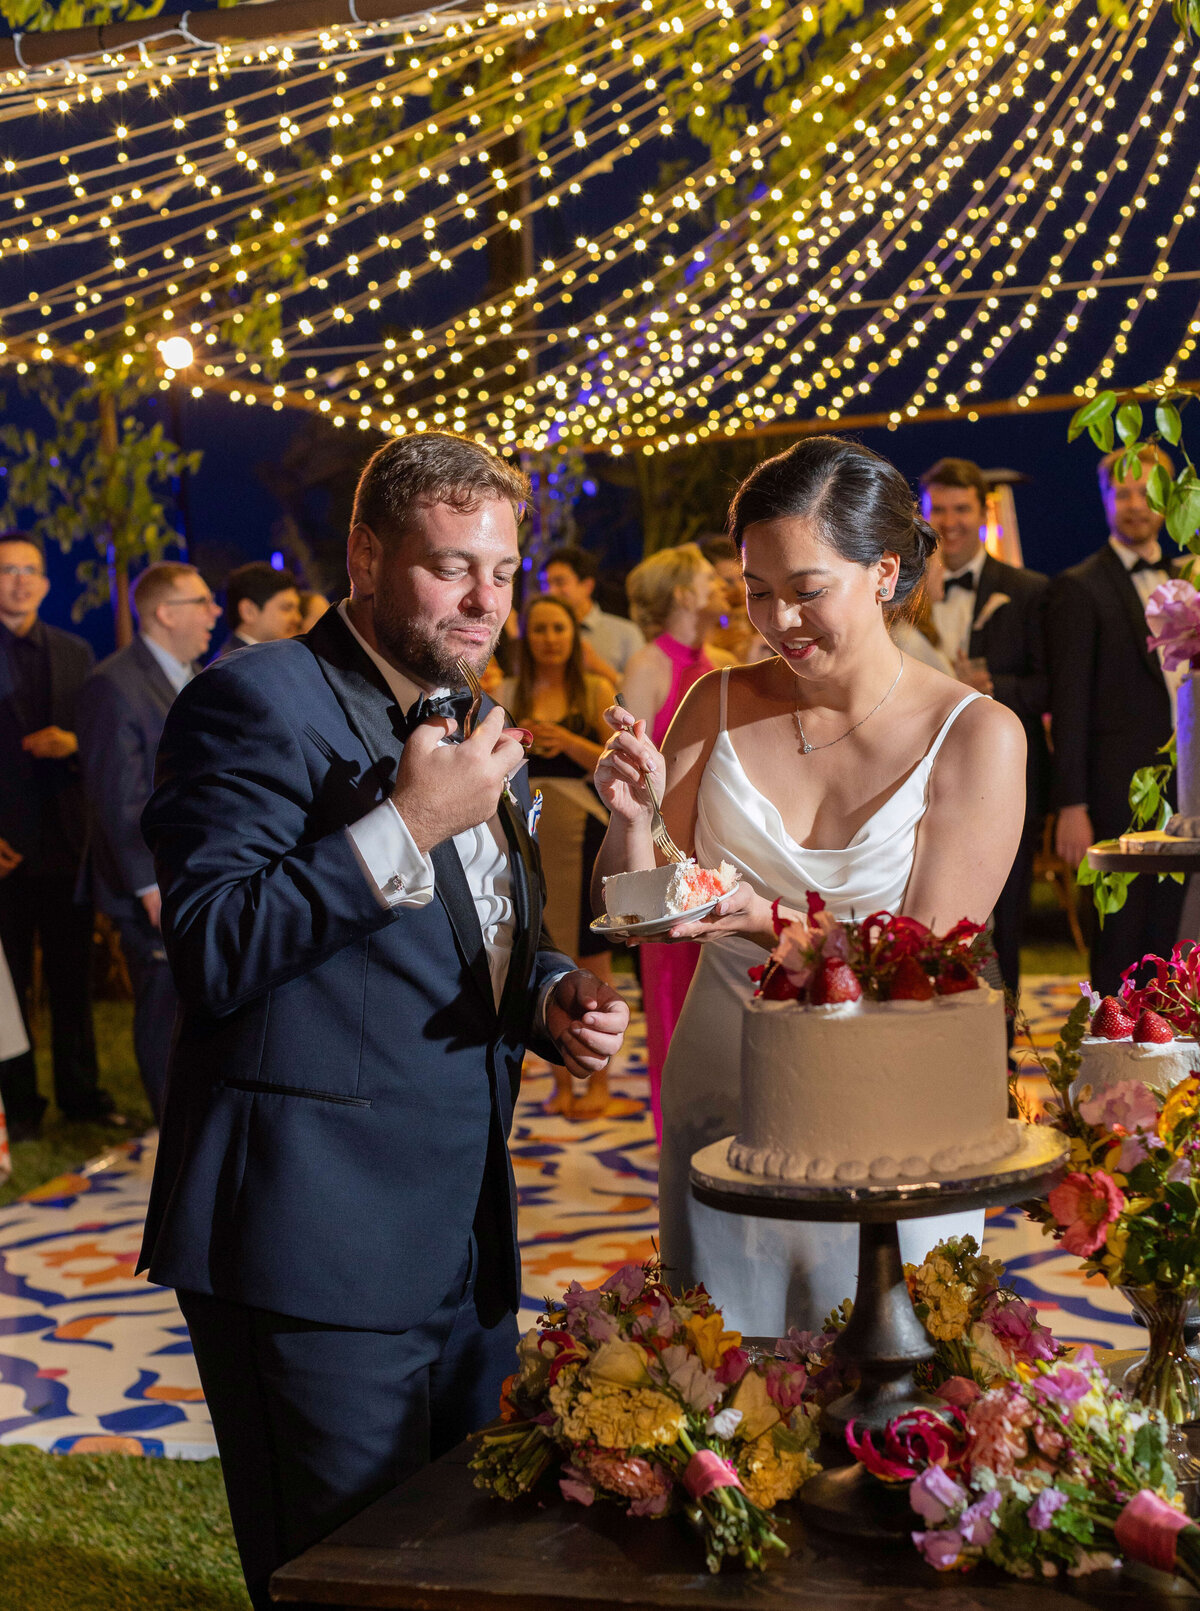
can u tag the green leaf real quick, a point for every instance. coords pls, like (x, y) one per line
(1101, 433)
(1166, 417)
(1158, 488)
(1183, 512)
(1145, 794)
(1129, 422)
(1090, 413)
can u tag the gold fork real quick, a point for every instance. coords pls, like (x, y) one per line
(658, 828)
(472, 681)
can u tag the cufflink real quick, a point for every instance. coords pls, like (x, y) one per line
(394, 885)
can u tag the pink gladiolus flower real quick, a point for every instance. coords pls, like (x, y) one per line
(1173, 616)
(1086, 1205)
(940, 1549)
(1129, 1105)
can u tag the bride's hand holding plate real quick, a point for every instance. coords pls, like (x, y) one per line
(743, 912)
(624, 763)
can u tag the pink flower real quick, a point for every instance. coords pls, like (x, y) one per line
(914, 1440)
(1042, 1510)
(934, 1495)
(1086, 1205)
(1129, 1105)
(940, 1549)
(573, 1485)
(627, 1282)
(1133, 1152)
(734, 1365)
(976, 1523)
(1173, 616)
(794, 953)
(786, 1384)
(960, 1391)
(1064, 1384)
(997, 1426)
(1018, 1327)
(625, 1474)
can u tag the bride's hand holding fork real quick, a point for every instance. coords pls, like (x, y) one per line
(625, 762)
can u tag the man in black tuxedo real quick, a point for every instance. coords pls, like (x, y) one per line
(262, 605)
(352, 908)
(122, 707)
(990, 623)
(1111, 711)
(41, 841)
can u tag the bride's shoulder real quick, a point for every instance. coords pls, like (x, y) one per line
(982, 733)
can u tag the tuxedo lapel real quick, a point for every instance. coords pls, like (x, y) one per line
(156, 677)
(375, 717)
(1122, 583)
(527, 900)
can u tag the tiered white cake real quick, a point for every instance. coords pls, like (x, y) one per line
(873, 1090)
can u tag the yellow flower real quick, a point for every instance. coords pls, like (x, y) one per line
(712, 1341)
(618, 1361)
(759, 1414)
(769, 1474)
(1181, 1104)
(615, 1417)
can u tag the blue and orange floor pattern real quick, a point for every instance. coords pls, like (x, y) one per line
(93, 1357)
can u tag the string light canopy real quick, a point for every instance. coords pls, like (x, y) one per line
(724, 224)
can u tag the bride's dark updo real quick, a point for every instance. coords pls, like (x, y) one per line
(858, 502)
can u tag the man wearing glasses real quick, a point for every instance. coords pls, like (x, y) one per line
(41, 842)
(121, 712)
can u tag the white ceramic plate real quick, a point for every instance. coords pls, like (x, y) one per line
(653, 928)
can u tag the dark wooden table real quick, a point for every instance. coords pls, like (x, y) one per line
(436, 1543)
(1108, 857)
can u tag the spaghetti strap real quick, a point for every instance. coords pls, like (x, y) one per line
(724, 699)
(931, 753)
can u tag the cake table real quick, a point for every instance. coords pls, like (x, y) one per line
(884, 1339)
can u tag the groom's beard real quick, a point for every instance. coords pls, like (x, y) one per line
(424, 647)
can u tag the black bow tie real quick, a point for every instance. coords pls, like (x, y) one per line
(456, 705)
(1146, 565)
(966, 581)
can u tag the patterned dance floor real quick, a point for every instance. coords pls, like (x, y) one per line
(92, 1356)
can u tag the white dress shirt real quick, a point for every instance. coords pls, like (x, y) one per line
(401, 876)
(177, 672)
(1146, 582)
(613, 637)
(953, 614)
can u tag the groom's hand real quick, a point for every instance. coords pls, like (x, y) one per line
(586, 1019)
(441, 789)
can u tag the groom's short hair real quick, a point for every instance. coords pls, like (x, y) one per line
(427, 468)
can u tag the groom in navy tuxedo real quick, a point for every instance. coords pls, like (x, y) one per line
(352, 911)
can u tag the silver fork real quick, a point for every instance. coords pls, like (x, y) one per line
(658, 828)
(472, 681)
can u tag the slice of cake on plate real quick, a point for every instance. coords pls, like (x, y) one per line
(665, 892)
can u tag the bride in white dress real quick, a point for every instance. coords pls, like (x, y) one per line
(840, 766)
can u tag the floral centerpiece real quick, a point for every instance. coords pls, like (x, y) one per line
(631, 1394)
(1050, 1470)
(1129, 1203)
(820, 959)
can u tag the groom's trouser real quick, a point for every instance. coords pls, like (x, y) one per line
(313, 1422)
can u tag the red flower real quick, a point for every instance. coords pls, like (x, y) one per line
(912, 1442)
(1086, 1205)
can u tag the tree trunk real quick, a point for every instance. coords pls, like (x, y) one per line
(118, 569)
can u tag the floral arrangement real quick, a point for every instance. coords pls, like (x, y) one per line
(1050, 1470)
(1173, 616)
(821, 960)
(1173, 992)
(632, 1394)
(1129, 1203)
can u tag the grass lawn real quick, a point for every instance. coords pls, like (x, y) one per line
(108, 1532)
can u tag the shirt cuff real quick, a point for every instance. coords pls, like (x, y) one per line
(388, 855)
(539, 1017)
(139, 893)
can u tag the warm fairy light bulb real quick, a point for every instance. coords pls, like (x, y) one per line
(176, 352)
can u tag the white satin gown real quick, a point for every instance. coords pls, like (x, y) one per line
(767, 1274)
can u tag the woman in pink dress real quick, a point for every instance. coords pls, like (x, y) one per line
(677, 598)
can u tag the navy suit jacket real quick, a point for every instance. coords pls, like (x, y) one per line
(122, 708)
(342, 1084)
(41, 802)
(1110, 709)
(1012, 641)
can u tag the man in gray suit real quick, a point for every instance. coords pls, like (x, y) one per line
(122, 707)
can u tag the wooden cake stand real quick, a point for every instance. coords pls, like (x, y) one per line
(884, 1340)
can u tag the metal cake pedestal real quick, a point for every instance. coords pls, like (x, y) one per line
(884, 1340)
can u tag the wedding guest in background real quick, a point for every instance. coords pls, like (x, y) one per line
(262, 605)
(676, 597)
(911, 625)
(608, 640)
(1111, 709)
(312, 608)
(122, 708)
(990, 622)
(353, 910)
(42, 670)
(562, 705)
(733, 634)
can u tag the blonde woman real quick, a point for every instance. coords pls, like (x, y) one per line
(677, 598)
